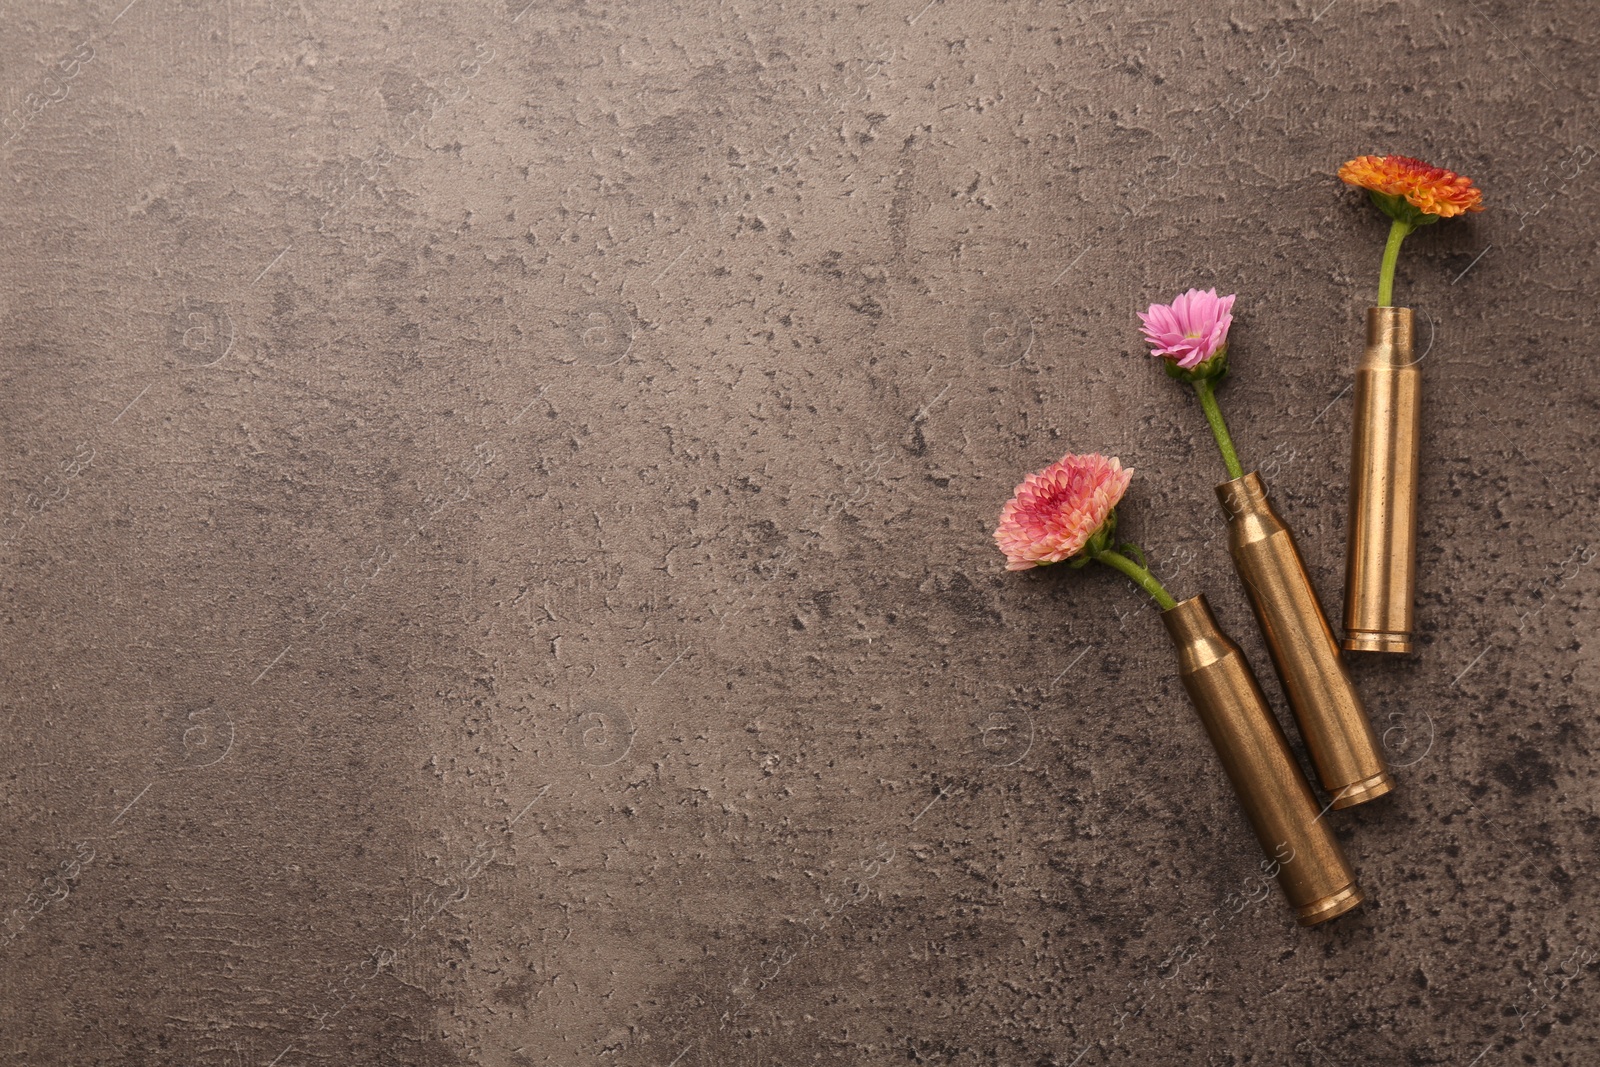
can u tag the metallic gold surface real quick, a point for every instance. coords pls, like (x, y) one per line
(1332, 719)
(1380, 560)
(1310, 866)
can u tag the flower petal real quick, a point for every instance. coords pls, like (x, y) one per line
(1055, 511)
(1431, 190)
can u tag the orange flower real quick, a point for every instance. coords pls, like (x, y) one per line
(1431, 190)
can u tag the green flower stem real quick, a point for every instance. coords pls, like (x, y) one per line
(1219, 428)
(1141, 577)
(1391, 255)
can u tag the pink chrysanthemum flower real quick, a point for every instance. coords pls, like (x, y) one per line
(1190, 330)
(1057, 510)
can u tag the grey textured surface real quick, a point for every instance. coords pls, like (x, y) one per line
(497, 500)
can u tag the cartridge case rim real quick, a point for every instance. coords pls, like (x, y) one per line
(1360, 792)
(1329, 907)
(1376, 641)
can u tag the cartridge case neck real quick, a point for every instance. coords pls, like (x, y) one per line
(1244, 496)
(1390, 339)
(1195, 633)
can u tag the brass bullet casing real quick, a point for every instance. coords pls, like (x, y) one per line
(1311, 868)
(1332, 719)
(1381, 545)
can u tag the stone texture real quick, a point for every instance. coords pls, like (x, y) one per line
(497, 564)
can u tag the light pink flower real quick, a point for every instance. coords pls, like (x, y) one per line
(1055, 511)
(1190, 330)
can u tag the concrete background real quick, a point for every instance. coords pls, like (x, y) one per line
(497, 509)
